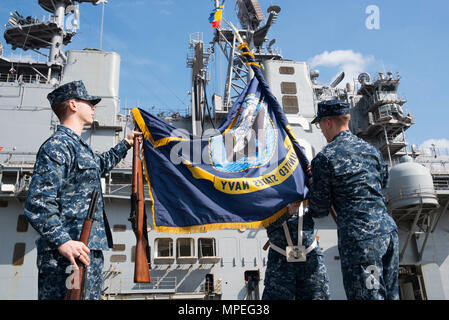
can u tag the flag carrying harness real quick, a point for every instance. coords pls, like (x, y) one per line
(299, 252)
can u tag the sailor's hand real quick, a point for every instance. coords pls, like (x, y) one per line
(130, 137)
(293, 207)
(75, 250)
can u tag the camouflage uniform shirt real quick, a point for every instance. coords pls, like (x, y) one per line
(65, 174)
(349, 174)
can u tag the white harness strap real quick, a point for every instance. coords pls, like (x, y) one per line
(300, 217)
(289, 239)
(287, 233)
(312, 246)
(276, 248)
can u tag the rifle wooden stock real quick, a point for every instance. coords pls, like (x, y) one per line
(79, 278)
(141, 269)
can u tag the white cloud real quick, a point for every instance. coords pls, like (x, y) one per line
(439, 143)
(352, 63)
(128, 4)
(441, 146)
(18, 57)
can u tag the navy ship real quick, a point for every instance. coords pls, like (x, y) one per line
(224, 264)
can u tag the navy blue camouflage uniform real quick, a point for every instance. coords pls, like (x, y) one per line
(295, 280)
(65, 173)
(349, 175)
(284, 280)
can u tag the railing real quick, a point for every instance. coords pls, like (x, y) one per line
(431, 151)
(441, 185)
(156, 286)
(21, 168)
(388, 96)
(399, 138)
(7, 77)
(413, 192)
(122, 190)
(158, 283)
(13, 22)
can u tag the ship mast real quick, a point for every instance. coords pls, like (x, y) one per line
(250, 16)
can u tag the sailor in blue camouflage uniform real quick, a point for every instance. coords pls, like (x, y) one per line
(307, 280)
(348, 175)
(65, 173)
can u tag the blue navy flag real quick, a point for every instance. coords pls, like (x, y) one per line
(243, 176)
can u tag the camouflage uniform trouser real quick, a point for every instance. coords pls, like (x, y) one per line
(296, 280)
(54, 275)
(370, 268)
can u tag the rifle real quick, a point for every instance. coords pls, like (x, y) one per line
(77, 292)
(138, 219)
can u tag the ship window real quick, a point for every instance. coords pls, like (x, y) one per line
(290, 104)
(19, 254)
(209, 284)
(288, 88)
(164, 247)
(119, 247)
(3, 204)
(287, 70)
(252, 275)
(22, 223)
(206, 247)
(185, 247)
(119, 228)
(118, 258)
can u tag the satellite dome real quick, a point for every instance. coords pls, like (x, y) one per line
(410, 185)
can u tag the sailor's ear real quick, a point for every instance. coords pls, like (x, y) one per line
(71, 105)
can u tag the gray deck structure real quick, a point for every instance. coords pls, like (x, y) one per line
(216, 264)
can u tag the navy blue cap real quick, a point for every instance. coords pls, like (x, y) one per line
(330, 108)
(71, 90)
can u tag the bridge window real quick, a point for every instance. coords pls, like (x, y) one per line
(207, 250)
(22, 223)
(118, 258)
(206, 247)
(185, 250)
(119, 247)
(19, 254)
(288, 88)
(287, 70)
(163, 251)
(185, 247)
(164, 247)
(290, 104)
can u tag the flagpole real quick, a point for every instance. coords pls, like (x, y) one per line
(101, 30)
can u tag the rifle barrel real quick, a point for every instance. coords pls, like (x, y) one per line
(141, 269)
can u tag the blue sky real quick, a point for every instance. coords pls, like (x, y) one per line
(152, 38)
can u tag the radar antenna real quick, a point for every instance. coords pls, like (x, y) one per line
(337, 81)
(364, 78)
